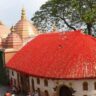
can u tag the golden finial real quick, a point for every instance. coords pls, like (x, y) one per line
(54, 27)
(12, 29)
(23, 14)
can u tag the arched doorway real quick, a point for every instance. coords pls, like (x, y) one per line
(65, 91)
(46, 93)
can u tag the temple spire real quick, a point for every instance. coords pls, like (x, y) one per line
(23, 14)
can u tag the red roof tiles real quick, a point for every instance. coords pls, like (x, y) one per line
(69, 55)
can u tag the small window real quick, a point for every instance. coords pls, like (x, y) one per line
(46, 82)
(95, 85)
(12, 73)
(85, 86)
(38, 81)
(33, 86)
(70, 84)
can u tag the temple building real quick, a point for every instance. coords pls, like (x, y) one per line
(56, 64)
(4, 30)
(25, 28)
(12, 40)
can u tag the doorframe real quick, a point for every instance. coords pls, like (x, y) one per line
(58, 89)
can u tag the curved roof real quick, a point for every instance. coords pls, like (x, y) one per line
(4, 31)
(24, 27)
(69, 55)
(13, 40)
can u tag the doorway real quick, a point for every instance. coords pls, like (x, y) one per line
(65, 91)
(25, 86)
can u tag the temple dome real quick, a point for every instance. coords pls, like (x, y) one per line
(65, 55)
(24, 27)
(13, 40)
(4, 31)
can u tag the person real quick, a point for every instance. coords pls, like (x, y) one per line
(7, 93)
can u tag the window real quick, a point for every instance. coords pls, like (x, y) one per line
(12, 73)
(95, 85)
(45, 82)
(33, 88)
(70, 84)
(38, 81)
(85, 86)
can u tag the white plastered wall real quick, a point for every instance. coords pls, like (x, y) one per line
(77, 85)
(13, 76)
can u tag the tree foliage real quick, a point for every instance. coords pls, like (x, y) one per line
(71, 13)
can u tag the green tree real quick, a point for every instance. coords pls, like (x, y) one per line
(86, 10)
(3, 76)
(72, 13)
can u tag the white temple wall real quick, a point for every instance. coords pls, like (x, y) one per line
(42, 87)
(13, 77)
(77, 85)
(12, 74)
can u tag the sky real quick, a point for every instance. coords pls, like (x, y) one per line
(10, 10)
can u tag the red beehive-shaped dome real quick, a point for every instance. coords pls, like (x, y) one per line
(69, 55)
(13, 40)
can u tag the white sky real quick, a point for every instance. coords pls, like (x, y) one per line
(10, 10)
